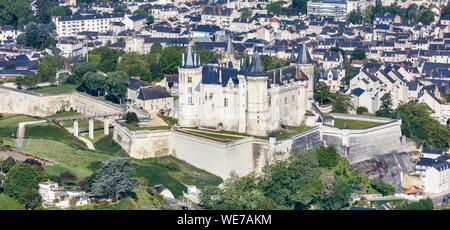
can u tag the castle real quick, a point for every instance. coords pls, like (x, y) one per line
(241, 97)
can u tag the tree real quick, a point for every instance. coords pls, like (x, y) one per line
(342, 103)
(386, 106)
(171, 59)
(58, 11)
(112, 180)
(156, 49)
(322, 93)
(67, 178)
(445, 11)
(246, 13)
(427, 17)
(42, 10)
(134, 64)
(21, 183)
(108, 58)
(94, 83)
(341, 195)
(358, 54)
(150, 19)
(419, 125)
(16, 13)
(275, 7)
(361, 110)
(131, 118)
(79, 70)
(7, 164)
(327, 157)
(116, 86)
(238, 194)
(355, 17)
(423, 204)
(48, 67)
(37, 35)
(270, 63)
(382, 187)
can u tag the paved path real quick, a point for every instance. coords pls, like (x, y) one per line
(88, 142)
(21, 131)
(22, 157)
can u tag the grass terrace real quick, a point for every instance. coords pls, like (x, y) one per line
(64, 114)
(169, 120)
(287, 132)
(8, 203)
(137, 127)
(56, 89)
(354, 124)
(220, 136)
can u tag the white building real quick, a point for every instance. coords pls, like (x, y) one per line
(246, 100)
(71, 25)
(434, 169)
(53, 196)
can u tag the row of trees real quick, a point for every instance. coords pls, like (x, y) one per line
(412, 13)
(319, 179)
(341, 102)
(113, 85)
(19, 12)
(417, 123)
(47, 71)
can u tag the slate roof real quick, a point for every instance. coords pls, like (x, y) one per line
(211, 74)
(358, 92)
(135, 84)
(152, 92)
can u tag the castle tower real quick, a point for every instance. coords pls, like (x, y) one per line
(306, 66)
(190, 76)
(255, 84)
(230, 56)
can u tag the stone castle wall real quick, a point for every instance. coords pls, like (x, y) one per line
(41, 105)
(363, 144)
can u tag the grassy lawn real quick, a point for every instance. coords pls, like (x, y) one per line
(56, 89)
(173, 174)
(391, 203)
(8, 203)
(83, 125)
(169, 120)
(134, 127)
(14, 120)
(354, 124)
(64, 114)
(215, 135)
(107, 145)
(53, 132)
(10, 122)
(67, 157)
(287, 132)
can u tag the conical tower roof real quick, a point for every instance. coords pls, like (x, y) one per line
(256, 68)
(303, 55)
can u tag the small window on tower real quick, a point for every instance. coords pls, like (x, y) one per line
(225, 102)
(190, 101)
(190, 90)
(189, 79)
(285, 100)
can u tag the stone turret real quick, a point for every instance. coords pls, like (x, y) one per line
(306, 66)
(190, 76)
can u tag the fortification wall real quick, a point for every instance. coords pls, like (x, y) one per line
(241, 156)
(363, 144)
(143, 144)
(33, 104)
(42, 105)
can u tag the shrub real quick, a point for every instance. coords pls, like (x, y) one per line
(131, 118)
(383, 187)
(361, 110)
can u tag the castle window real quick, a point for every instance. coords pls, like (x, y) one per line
(190, 90)
(190, 101)
(225, 102)
(189, 79)
(285, 100)
(269, 101)
(210, 95)
(293, 98)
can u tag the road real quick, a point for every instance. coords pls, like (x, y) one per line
(21, 131)
(437, 199)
